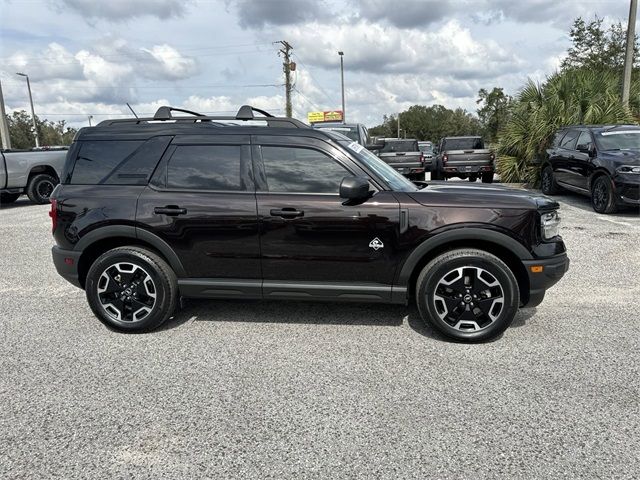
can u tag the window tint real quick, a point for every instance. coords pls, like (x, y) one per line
(391, 146)
(205, 167)
(557, 137)
(303, 170)
(584, 139)
(98, 160)
(569, 141)
(472, 143)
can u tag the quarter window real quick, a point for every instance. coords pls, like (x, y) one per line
(301, 170)
(205, 167)
(569, 141)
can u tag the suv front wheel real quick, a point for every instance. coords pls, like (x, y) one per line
(131, 289)
(468, 295)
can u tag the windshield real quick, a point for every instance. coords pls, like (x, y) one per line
(426, 148)
(394, 180)
(391, 146)
(472, 143)
(351, 132)
(619, 140)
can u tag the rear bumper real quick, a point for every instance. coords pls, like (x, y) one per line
(553, 269)
(466, 169)
(66, 263)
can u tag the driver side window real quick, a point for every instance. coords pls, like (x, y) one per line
(301, 170)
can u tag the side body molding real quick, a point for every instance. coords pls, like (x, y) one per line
(462, 233)
(128, 231)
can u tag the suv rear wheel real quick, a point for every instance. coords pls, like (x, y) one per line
(131, 289)
(548, 181)
(468, 295)
(40, 188)
(602, 197)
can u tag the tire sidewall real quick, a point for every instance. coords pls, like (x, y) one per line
(163, 296)
(427, 288)
(610, 195)
(32, 191)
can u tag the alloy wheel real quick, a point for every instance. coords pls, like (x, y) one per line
(469, 299)
(600, 196)
(45, 188)
(126, 292)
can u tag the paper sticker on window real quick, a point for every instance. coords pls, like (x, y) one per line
(356, 147)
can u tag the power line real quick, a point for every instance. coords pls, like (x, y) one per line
(322, 90)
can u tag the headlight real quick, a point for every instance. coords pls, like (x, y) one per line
(549, 225)
(628, 169)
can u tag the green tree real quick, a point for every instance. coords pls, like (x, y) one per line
(572, 97)
(51, 133)
(493, 112)
(429, 123)
(594, 46)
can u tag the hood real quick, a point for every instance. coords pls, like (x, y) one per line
(482, 196)
(622, 157)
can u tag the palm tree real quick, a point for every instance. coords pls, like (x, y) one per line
(571, 97)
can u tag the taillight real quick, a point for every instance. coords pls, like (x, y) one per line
(445, 158)
(53, 213)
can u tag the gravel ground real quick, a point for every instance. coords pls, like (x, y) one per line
(309, 390)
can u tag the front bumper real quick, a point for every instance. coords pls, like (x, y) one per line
(628, 189)
(553, 269)
(66, 263)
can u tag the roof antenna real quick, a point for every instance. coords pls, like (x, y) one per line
(134, 113)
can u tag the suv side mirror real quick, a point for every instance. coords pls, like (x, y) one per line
(354, 188)
(585, 148)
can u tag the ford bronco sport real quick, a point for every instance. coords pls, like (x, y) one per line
(152, 209)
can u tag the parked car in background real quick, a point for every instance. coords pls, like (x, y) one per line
(153, 209)
(35, 172)
(601, 161)
(464, 157)
(427, 155)
(355, 131)
(402, 154)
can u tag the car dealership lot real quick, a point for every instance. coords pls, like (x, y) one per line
(309, 390)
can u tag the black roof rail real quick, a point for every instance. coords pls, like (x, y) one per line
(163, 114)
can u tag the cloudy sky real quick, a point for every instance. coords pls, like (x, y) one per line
(90, 57)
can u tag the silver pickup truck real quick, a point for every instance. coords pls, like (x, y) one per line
(34, 172)
(402, 154)
(463, 157)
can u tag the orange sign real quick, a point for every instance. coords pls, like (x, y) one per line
(326, 116)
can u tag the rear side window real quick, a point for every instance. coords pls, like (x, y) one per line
(117, 162)
(301, 170)
(205, 167)
(569, 141)
(557, 137)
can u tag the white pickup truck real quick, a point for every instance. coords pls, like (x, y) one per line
(34, 172)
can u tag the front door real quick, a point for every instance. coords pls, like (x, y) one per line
(313, 243)
(201, 202)
(579, 162)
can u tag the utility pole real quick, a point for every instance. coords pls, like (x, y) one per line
(286, 67)
(398, 125)
(344, 113)
(628, 59)
(33, 113)
(4, 128)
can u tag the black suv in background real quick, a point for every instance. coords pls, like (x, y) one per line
(601, 161)
(152, 209)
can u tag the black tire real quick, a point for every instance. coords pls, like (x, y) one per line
(40, 188)
(548, 183)
(500, 300)
(473, 178)
(8, 197)
(487, 177)
(603, 198)
(127, 271)
(436, 175)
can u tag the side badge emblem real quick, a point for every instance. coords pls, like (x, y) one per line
(376, 244)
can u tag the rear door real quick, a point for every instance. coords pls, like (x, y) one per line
(201, 201)
(313, 243)
(565, 153)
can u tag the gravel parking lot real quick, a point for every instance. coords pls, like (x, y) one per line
(308, 390)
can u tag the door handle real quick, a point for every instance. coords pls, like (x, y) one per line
(171, 210)
(287, 212)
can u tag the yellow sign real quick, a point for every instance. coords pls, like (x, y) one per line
(327, 116)
(315, 117)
